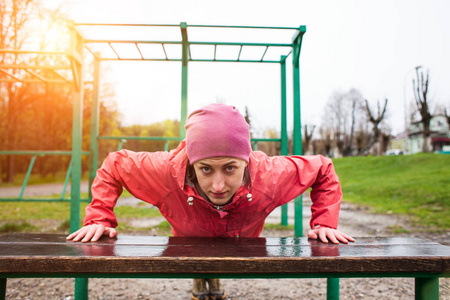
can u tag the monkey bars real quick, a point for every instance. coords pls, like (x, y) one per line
(187, 53)
(72, 64)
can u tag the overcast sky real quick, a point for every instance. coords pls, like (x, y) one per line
(372, 46)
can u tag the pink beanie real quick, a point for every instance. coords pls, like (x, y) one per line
(217, 130)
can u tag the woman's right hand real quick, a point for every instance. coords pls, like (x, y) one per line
(92, 233)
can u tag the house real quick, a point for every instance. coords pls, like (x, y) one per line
(439, 135)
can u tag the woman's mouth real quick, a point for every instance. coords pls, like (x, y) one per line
(219, 195)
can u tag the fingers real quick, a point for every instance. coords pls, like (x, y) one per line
(92, 233)
(326, 234)
(112, 232)
(323, 234)
(312, 235)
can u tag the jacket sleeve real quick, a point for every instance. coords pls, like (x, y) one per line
(138, 172)
(317, 172)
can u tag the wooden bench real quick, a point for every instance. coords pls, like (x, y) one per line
(38, 255)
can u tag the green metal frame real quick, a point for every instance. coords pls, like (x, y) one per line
(186, 58)
(75, 55)
(426, 286)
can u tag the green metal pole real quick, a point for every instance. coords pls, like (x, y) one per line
(297, 135)
(427, 288)
(30, 167)
(69, 171)
(75, 183)
(77, 122)
(81, 288)
(283, 134)
(332, 288)
(95, 112)
(184, 79)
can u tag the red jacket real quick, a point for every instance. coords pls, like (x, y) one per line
(159, 178)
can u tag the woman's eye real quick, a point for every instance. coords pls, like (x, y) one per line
(206, 169)
(230, 168)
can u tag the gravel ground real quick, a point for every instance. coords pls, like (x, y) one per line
(356, 221)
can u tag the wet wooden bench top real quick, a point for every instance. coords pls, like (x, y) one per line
(52, 255)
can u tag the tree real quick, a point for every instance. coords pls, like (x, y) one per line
(325, 134)
(447, 115)
(420, 89)
(344, 113)
(38, 116)
(307, 136)
(376, 120)
(14, 15)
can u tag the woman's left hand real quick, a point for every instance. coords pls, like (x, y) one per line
(326, 234)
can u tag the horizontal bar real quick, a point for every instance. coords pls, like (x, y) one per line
(235, 60)
(89, 41)
(241, 44)
(178, 25)
(52, 81)
(191, 60)
(37, 152)
(38, 200)
(150, 138)
(130, 25)
(32, 52)
(196, 275)
(245, 27)
(62, 67)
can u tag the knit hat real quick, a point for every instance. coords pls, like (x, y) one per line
(217, 130)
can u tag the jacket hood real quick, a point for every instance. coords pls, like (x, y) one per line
(178, 163)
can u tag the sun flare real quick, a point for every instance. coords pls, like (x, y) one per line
(55, 35)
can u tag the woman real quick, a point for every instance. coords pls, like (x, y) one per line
(214, 185)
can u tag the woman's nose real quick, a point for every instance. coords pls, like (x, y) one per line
(218, 183)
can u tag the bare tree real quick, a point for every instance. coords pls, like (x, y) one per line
(307, 136)
(18, 18)
(13, 17)
(344, 113)
(447, 115)
(376, 120)
(327, 141)
(420, 89)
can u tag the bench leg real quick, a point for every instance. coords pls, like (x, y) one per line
(332, 288)
(427, 288)
(2, 288)
(81, 289)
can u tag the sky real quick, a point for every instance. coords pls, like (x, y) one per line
(373, 46)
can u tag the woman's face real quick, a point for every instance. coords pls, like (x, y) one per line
(220, 177)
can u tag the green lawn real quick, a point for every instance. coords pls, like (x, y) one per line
(414, 185)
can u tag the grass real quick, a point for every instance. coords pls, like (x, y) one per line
(270, 226)
(10, 227)
(414, 185)
(23, 211)
(34, 179)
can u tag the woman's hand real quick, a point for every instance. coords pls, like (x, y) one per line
(326, 234)
(92, 233)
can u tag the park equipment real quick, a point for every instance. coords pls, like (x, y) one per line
(75, 60)
(74, 57)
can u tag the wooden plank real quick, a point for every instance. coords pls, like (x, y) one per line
(52, 254)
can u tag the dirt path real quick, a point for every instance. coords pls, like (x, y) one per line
(354, 220)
